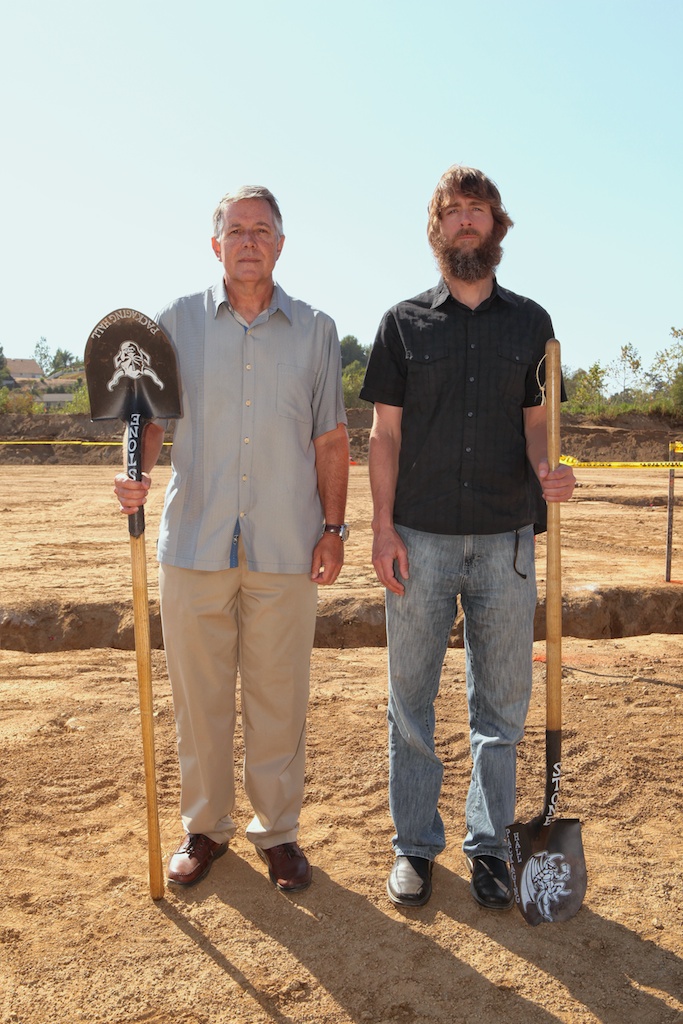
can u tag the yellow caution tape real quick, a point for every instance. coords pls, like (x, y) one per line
(568, 460)
(103, 444)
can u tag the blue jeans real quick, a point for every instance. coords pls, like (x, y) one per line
(498, 604)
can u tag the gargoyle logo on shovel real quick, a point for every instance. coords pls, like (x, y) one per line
(545, 880)
(132, 361)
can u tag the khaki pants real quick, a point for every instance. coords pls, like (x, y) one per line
(263, 624)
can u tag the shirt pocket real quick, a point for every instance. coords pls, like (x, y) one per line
(428, 368)
(512, 370)
(295, 392)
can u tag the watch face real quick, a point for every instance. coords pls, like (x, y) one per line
(341, 531)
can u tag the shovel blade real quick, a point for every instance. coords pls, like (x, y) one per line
(548, 869)
(130, 367)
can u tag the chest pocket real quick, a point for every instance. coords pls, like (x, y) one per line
(512, 371)
(428, 367)
(294, 392)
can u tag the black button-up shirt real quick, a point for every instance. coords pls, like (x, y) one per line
(463, 378)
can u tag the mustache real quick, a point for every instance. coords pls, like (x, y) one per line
(468, 233)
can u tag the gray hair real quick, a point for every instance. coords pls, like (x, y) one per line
(246, 192)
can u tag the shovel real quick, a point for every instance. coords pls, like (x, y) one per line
(547, 864)
(132, 375)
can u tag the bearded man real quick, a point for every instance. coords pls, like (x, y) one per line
(459, 471)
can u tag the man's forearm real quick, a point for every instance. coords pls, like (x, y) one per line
(383, 468)
(152, 443)
(332, 468)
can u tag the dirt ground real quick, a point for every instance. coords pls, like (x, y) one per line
(82, 941)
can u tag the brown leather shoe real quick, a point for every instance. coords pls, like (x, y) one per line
(288, 868)
(193, 858)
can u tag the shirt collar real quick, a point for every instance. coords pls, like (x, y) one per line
(442, 294)
(280, 300)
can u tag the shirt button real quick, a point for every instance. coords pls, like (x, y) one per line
(248, 366)
(246, 440)
(468, 450)
(242, 515)
(248, 401)
(244, 476)
(427, 356)
(470, 414)
(471, 380)
(466, 484)
(473, 345)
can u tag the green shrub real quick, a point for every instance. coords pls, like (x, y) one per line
(352, 381)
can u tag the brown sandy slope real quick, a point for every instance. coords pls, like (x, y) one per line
(80, 938)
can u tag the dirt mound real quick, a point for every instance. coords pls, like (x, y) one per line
(76, 439)
(59, 439)
(628, 438)
(346, 621)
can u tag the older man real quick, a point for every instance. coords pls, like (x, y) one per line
(457, 465)
(253, 521)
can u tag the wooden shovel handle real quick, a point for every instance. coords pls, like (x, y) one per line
(143, 653)
(553, 599)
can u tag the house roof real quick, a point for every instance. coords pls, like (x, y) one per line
(23, 368)
(49, 398)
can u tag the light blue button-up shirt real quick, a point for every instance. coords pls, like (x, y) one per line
(254, 398)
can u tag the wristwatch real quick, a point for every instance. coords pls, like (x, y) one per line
(342, 530)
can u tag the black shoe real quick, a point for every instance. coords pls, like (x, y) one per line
(410, 881)
(491, 885)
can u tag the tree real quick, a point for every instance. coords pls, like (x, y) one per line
(571, 379)
(62, 360)
(352, 351)
(3, 364)
(667, 363)
(43, 356)
(80, 401)
(19, 401)
(676, 391)
(589, 394)
(352, 381)
(626, 371)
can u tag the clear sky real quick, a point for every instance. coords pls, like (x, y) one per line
(124, 123)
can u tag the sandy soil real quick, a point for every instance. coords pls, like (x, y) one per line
(80, 938)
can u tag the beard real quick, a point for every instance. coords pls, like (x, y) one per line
(467, 264)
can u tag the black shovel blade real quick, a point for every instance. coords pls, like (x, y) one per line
(548, 869)
(131, 368)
